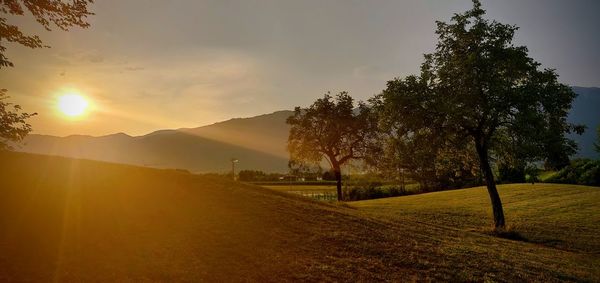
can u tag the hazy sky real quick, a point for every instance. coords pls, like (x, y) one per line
(154, 64)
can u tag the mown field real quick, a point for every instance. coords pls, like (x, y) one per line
(66, 220)
(562, 216)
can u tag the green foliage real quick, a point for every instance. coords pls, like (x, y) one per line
(508, 174)
(13, 125)
(532, 174)
(409, 147)
(477, 92)
(330, 129)
(328, 176)
(580, 172)
(518, 174)
(374, 191)
(60, 13)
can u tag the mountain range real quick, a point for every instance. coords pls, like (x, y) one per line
(259, 143)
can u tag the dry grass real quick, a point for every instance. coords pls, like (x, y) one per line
(74, 220)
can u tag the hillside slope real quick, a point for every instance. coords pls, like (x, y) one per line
(586, 111)
(76, 220)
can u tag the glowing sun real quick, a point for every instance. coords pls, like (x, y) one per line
(72, 104)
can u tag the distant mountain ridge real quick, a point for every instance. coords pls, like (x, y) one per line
(258, 142)
(586, 110)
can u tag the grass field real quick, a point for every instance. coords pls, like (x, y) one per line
(562, 216)
(75, 220)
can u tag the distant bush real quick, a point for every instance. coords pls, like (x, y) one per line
(328, 176)
(580, 172)
(257, 176)
(508, 174)
(374, 190)
(294, 183)
(532, 174)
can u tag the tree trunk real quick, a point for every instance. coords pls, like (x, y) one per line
(338, 178)
(484, 163)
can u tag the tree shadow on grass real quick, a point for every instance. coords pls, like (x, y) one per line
(506, 233)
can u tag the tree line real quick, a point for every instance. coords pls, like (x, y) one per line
(479, 101)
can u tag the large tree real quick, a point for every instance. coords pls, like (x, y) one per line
(478, 88)
(63, 14)
(407, 144)
(331, 129)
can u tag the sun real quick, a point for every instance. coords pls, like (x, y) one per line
(72, 104)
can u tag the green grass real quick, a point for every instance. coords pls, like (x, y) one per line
(79, 221)
(546, 175)
(561, 216)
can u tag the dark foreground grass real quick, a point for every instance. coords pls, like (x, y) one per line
(73, 220)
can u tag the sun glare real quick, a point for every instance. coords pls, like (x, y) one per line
(72, 104)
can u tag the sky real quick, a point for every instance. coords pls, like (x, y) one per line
(146, 65)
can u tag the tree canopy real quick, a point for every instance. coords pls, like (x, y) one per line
(331, 129)
(62, 14)
(480, 92)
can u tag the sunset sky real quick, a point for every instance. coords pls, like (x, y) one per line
(148, 65)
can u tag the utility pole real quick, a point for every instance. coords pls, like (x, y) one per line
(233, 162)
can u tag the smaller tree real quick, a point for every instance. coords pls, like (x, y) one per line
(331, 129)
(13, 127)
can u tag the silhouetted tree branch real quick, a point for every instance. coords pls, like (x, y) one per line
(13, 127)
(62, 14)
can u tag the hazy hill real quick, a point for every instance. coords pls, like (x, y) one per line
(68, 220)
(586, 111)
(258, 142)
